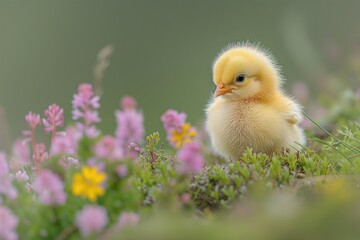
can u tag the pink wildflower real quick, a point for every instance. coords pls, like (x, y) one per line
(4, 166)
(33, 120)
(66, 144)
(6, 186)
(190, 158)
(90, 131)
(21, 151)
(91, 117)
(91, 219)
(130, 128)
(84, 106)
(49, 188)
(40, 153)
(61, 145)
(173, 120)
(85, 97)
(127, 219)
(54, 118)
(9, 223)
(128, 102)
(108, 148)
(122, 170)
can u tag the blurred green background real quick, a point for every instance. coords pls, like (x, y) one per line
(163, 49)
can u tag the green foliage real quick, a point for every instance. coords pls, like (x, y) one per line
(219, 185)
(343, 148)
(85, 148)
(154, 172)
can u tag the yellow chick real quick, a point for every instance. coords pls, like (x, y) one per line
(249, 107)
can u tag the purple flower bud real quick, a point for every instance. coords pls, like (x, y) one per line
(85, 104)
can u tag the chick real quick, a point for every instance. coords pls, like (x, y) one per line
(249, 107)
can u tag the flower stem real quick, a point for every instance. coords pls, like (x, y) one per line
(52, 136)
(351, 148)
(33, 142)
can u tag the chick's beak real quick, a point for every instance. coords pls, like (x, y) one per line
(221, 89)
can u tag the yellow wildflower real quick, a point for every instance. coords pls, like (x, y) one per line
(185, 135)
(88, 183)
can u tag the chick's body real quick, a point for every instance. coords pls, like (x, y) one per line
(249, 108)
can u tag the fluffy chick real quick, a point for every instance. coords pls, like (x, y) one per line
(249, 107)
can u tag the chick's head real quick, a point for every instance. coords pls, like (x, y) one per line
(245, 71)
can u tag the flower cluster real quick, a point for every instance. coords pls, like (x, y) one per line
(173, 120)
(80, 171)
(90, 185)
(33, 120)
(54, 118)
(178, 132)
(108, 148)
(190, 158)
(181, 136)
(85, 105)
(34, 167)
(8, 224)
(21, 151)
(6, 187)
(91, 219)
(130, 126)
(66, 143)
(49, 188)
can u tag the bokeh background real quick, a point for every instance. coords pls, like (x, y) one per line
(163, 51)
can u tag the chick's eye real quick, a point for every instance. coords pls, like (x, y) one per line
(240, 78)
